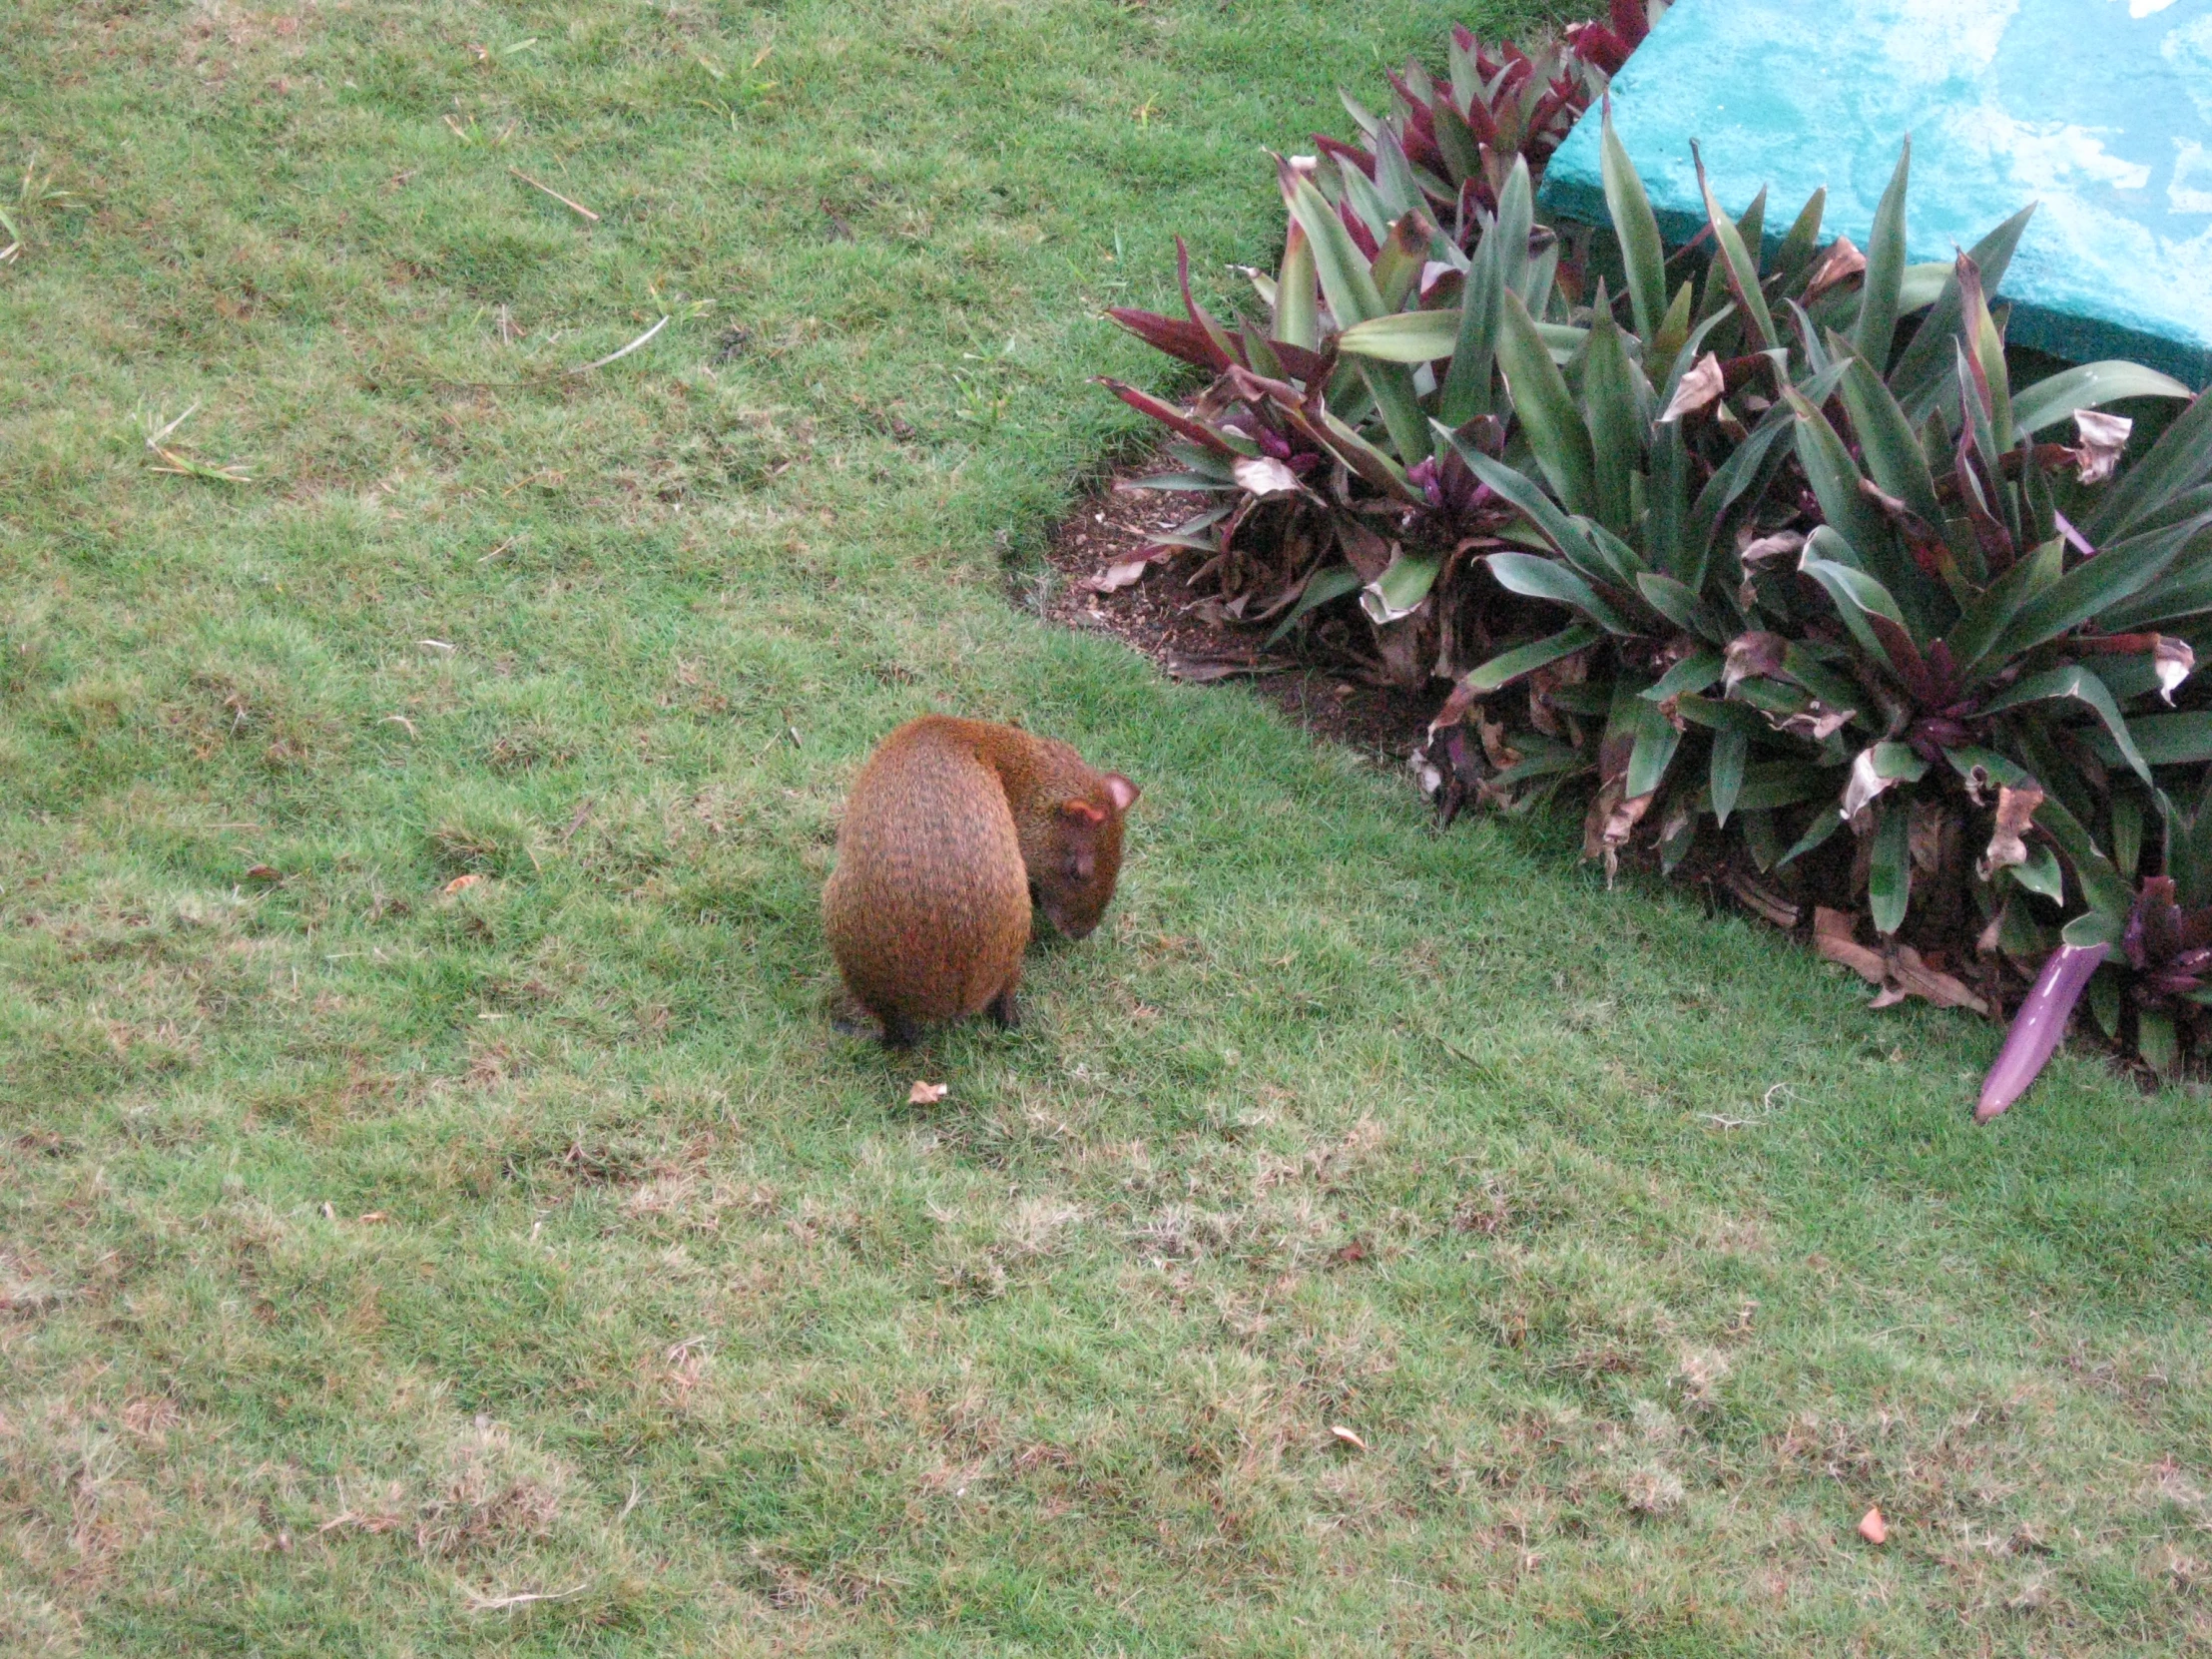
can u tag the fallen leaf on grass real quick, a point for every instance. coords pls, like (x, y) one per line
(1873, 1527)
(1911, 977)
(462, 883)
(492, 1605)
(1347, 1436)
(264, 872)
(928, 1094)
(369, 1217)
(1900, 972)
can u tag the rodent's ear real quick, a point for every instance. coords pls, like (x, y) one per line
(1078, 811)
(1121, 792)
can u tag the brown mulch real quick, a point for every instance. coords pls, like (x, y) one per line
(1189, 636)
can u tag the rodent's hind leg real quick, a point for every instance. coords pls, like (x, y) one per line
(900, 1032)
(1005, 1014)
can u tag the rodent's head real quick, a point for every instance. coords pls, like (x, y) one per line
(1074, 882)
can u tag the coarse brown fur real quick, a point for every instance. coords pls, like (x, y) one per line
(953, 826)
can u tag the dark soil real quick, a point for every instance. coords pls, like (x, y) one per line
(1189, 636)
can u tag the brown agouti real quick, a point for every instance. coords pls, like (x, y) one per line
(953, 829)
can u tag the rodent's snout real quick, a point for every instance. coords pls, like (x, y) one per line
(1068, 925)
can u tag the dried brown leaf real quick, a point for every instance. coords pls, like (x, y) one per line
(2016, 812)
(1761, 899)
(1838, 265)
(1753, 656)
(1873, 1527)
(1701, 385)
(926, 1094)
(1347, 1436)
(1263, 477)
(1115, 577)
(1815, 722)
(1781, 544)
(2103, 436)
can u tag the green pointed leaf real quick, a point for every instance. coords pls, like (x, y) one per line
(1890, 872)
(1298, 293)
(1329, 581)
(1880, 288)
(1692, 673)
(1674, 329)
(1923, 372)
(2179, 461)
(1615, 421)
(1643, 256)
(1503, 669)
(2090, 387)
(1731, 750)
(1923, 286)
(1856, 595)
(2183, 739)
(1404, 336)
(1401, 587)
(1736, 267)
(1987, 618)
(1795, 256)
(1346, 276)
(1656, 741)
(1516, 214)
(2041, 875)
(2105, 889)
(1886, 439)
(2079, 684)
(1538, 577)
(1682, 607)
(1466, 388)
(2096, 586)
(1549, 416)
(1835, 479)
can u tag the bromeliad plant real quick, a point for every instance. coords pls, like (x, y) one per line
(1886, 606)
(1764, 541)
(1320, 433)
(1320, 446)
(1459, 139)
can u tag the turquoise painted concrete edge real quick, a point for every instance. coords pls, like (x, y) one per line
(1663, 102)
(2043, 328)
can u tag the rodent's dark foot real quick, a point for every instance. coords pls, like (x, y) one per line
(1005, 1012)
(900, 1033)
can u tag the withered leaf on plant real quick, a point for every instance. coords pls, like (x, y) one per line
(2103, 436)
(1699, 388)
(2016, 812)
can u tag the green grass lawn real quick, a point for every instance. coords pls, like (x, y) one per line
(373, 1253)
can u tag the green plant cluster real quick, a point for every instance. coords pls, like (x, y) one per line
(1762, 538)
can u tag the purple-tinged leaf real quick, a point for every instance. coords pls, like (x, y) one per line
(1184, 340)
(1223, 353)
(1174, 419)
(1346, 154)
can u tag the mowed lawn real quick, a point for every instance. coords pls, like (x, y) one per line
(1373, 1242)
